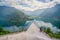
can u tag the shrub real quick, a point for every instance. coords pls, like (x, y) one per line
(51, 34)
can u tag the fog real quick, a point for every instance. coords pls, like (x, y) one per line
(26, 25)
(47, 24)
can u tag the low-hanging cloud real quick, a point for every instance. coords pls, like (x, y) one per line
(31, 5)
(46, 24)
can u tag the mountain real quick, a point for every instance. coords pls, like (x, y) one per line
(10, 16)
(34, 13)
(52, 15)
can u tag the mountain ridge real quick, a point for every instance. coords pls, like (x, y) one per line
(11, 16)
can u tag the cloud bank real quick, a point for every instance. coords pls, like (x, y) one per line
(29, 5)
(40, 23)
(44, 24)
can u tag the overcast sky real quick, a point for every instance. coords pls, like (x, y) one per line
(29, 5)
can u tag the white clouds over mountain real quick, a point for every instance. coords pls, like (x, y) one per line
(29, 5)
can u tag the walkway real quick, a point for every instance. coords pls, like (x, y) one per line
(32, 33)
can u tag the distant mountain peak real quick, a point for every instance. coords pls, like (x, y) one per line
(29, 5)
